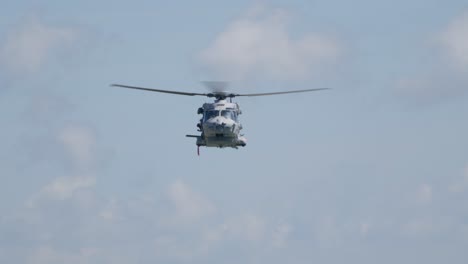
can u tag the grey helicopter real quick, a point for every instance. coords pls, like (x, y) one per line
(219, 125)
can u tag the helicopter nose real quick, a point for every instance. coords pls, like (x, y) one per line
(219, 126)
(221, 122)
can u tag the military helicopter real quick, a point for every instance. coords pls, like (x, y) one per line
(219, 125)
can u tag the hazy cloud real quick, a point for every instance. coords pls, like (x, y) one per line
(32, 44)
(79, 143)
(455, 41)
(424, 194)
(364, 228)
(281, 234)
(445, 78)
(189, 205)
(64, 187)
(328, 232)
(260, 43)
(460, 185)
(248, 227)
(420, 226)
(49, 255)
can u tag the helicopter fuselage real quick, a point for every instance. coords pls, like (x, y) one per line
(219, 125)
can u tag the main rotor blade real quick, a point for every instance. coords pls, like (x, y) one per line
(158, 90)
(285, 92)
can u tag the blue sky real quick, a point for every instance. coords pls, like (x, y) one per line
(373, 171)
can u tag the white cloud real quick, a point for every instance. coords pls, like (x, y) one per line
(281, 234)
(28, 47)
(109, 212)
(79, 142)
(49, 255)
(327, 232)
(248, 227)
(461, 185)
(259, 43)
(424, 194)
(364, 228)
(189, 205)
(446, 77)
(64, 187)
(420, 226)
(61, 189)
(455, 41)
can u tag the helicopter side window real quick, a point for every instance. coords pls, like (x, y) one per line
(211, 114)
(229, 114)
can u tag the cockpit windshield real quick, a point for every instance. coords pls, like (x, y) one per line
(229, 114)
(210, 114)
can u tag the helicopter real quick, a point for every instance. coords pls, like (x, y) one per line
(219, 125)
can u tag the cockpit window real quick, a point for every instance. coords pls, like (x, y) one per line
(210, 114)
(229, 114)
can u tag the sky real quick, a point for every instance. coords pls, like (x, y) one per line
(374, 170)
